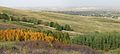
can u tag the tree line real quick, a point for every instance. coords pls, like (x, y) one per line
(8, 17)
(35, 21)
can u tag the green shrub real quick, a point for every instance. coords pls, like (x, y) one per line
(5, 16)
(102, 41)
(60, 27)
(63, 37)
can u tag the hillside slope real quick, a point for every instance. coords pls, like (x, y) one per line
(80, 24)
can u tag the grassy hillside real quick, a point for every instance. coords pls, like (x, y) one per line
(80, 24)
(84, 24)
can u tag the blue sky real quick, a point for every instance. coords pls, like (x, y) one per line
(59, 3)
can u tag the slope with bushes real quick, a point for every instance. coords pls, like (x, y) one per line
(96, 32)
(80, 24)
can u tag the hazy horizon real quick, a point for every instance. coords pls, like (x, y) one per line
(59, 3)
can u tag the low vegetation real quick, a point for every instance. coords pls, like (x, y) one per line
(41, 47)
(62, 37)
(99, 41)
(60, 27)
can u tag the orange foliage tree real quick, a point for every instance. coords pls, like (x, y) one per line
(23, 35)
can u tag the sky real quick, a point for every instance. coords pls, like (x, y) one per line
(59, 3)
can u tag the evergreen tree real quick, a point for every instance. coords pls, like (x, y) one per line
(52, 24)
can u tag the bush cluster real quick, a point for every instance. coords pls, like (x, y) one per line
(62, 37)
(59, 27)
(108, 40)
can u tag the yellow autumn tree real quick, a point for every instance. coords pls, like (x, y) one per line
(24, 35)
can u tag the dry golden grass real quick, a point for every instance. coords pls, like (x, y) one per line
(80, 24)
